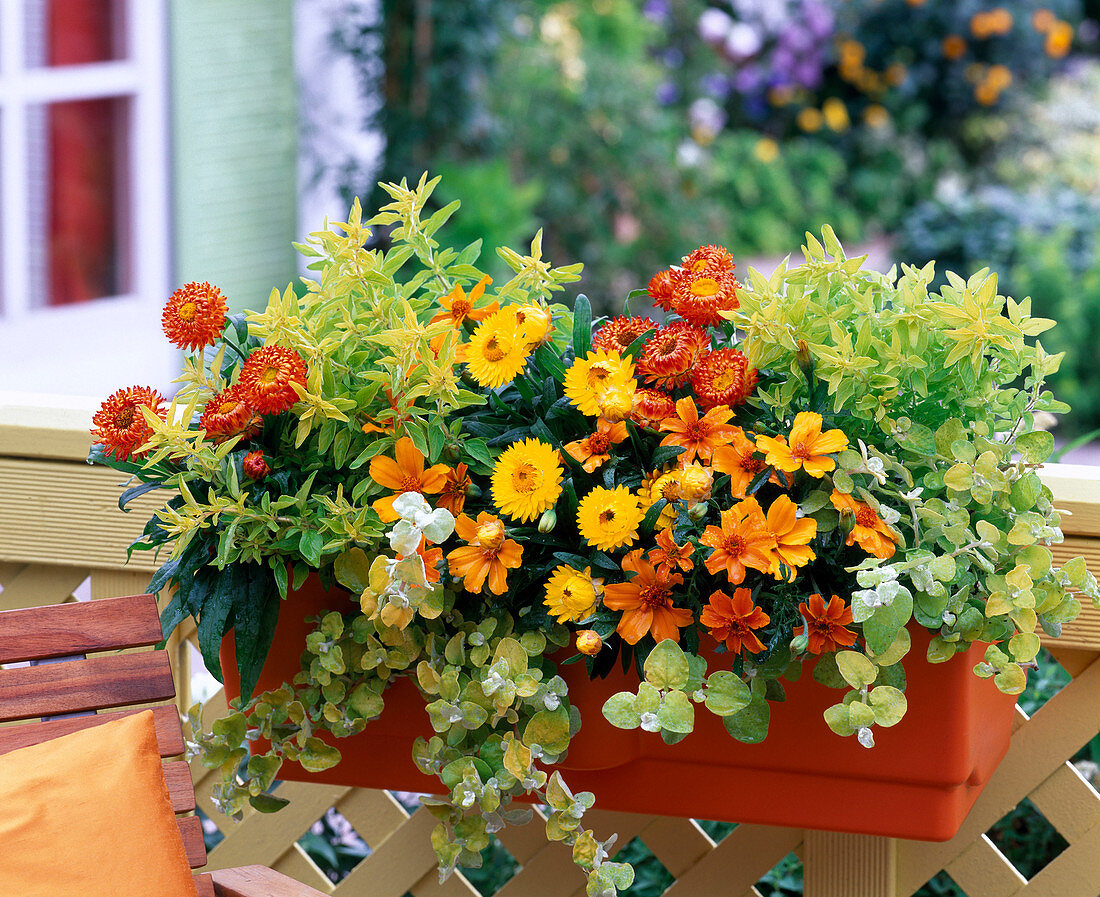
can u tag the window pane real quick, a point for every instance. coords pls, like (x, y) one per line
(74, 32)
(78, 205)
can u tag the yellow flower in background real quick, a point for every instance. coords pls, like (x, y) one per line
(836, 114)
(572, 595)
(876, 116)
(527, 479)
(810, 119)
(1059, 39)
(590, 378)
(766, 150)
(609, 518)
(496, 352)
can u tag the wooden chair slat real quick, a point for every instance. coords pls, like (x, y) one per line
(60, 630)
(177, 776)
(77, 685)
(166, 719)
(193, 845)
(259, 881)
(204, 884)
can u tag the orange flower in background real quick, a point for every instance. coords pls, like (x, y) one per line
(487, 556)
(808, 448)
(268, 377)
(405, 474)
(646, 602)
(743, 540)
(669, 556)
(868, 529)
(669, 355)
(706, 257)
(194, 316)
(700, 298)
(458, 307)
(453, 494)
(660, 289)
(650, 407)
(227, 414)
(618, 333)
(594, 450)
(698, 435)
(953, 47)
(732, 621)
(254, 465)
(1059, 39)
(120, 426)
(827, 632)
(740, 461)
(793, 535)
(723, 377)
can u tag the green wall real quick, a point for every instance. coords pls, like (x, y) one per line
(234, 140)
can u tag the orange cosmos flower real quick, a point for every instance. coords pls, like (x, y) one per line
(700, 297)
(650, 407)
(709, 256)
(194, 316)
(807, 448)
(486, 556)
(698, 435)
(267, 378)
(453, 494)
(732, 620)
(869, 530)
(743, 540)
(254, 465)
(120, 426)
(740, 461)
(669, 355)
(227, 414)
(405, 474)
(618, 333)
(646, 602)
(592, 451)
(827, 632)
(723, 377)
(431, 558)
(793, 535)
(669, 556)
(660, 289)
(458, 307)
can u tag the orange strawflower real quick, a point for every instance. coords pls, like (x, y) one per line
(740, 461)
(827, 632)
(743, 540)
(700, 297)
(254, 465)
(405, 474)
(650, 407)
(868, 529)
(669, 556)
(194, 316)
(458, 307)
(487, 556)
(660, 289)
(453, 494)
(120, 426)
(807, 447)
(793, 535)
(698, 435)
(618, 333)
(723, 377)
(710, 256)
(732, 621)
(227, 414)
(594, 450)
(267, 378)
(670, 354)
(646, 602)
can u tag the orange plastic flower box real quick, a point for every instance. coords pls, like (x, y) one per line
(918, 782)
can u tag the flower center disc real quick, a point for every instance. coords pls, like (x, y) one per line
(704, 287)
(525, 478)
(124, 418)
(866, 517)
(270, 374)
(188, 311)
(494, 351)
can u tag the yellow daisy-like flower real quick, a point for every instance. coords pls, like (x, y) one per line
(497, 350)
(681, 484)
(527, 479)
(590, 378)
(609, 518)
(572, 595)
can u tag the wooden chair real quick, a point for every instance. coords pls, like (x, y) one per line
(55, 698)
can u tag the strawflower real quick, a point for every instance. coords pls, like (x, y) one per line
(527, 479)
(807, 448)
(826, 624)
(228, 413)
(650, 407)
(120, 426)
(686, 485)
(194, 316)
(268, 377)
(670, 354)
(254, 465)
(609, 518)
(487, 556)
(700, 298)
(618, 333)
(723, 377)
(496, 352)
(660, 289)
(589, 378)
(646, 603)
(572, 595)
(732, 620)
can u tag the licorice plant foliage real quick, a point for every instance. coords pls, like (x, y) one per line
(787, 471)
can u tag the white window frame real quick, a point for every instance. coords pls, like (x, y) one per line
(91, 347)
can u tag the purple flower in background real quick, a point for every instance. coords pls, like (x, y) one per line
(808, 73)
(818, 18)
(749, 79)
(714, 25)
(716, 85)
(657, 11)
(743, 41)
(667, 93)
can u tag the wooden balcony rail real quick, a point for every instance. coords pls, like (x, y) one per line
(61, 531)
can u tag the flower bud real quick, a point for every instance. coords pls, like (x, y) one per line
(804, 359)
(799, 644)
(698, 511)
(589, 642)
(548, 520)
(473, 490)
(254, 466)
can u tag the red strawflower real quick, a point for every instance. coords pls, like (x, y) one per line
(618, 333)
(827, 632)
(254, 466)
(723, 377)
(651, 406)
(669, 355)
(120, 426)
(194, 316)
(266, 378)
(699, 297)
(732, 620)
(709, 256)
(660, 289)
(227, 414)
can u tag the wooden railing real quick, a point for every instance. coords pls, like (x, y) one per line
(61, 532)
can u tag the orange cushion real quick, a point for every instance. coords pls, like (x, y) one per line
(88, 814)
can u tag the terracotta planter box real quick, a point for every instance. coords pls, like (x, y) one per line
(918, 782)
